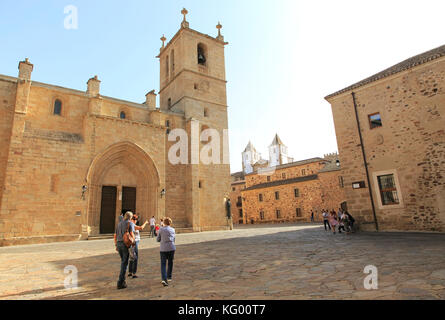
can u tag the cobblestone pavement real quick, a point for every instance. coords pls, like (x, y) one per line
(255, 262)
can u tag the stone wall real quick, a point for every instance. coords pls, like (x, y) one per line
(409, 144)
(317, 189)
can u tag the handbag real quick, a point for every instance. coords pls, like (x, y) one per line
(128, 239)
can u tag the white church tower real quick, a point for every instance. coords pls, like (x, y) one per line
(278, 153)
(250, 157)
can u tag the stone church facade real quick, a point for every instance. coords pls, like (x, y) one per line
(390, 132)
(71, 161)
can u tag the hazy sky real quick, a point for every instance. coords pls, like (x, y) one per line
(283, 57)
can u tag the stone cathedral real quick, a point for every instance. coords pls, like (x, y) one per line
(71, 161)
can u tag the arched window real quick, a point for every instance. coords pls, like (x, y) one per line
(172, 58)
(122, 115)
(202, 52)
(57, 107)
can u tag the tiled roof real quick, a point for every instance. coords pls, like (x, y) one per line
(288, 165)
(282, 182)
(402, 66)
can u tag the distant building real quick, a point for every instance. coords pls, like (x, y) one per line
(390, 132)
(286, 192)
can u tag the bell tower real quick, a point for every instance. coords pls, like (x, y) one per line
(193, 84)
(192, 73)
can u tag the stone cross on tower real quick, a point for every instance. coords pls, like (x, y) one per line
(163, 40)
(184, 23)
(219, 37)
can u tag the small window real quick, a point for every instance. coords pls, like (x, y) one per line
(173, 62)
(341, 182)
(303, 172)
(167, 123)
(278, 212)
(388, 190)
(206, 112)
(358, 185)
(262, 215)
(167, 67)
(375, 120)
(58, 107)
(169, 102)
(233, 189)
(268, 178)
(200, 184)
(296, 193)
(240, 213)
(298, 212)
(283, 175)
(277, 195)
(122, 115)
(260, 197)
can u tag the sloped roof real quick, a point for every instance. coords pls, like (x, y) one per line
(276, 141)
(250, 147)
(402, 66)
(293, 164)
(282, 182)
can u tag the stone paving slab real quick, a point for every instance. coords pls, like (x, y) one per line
(262, 263)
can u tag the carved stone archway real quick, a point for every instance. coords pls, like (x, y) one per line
(136, 161)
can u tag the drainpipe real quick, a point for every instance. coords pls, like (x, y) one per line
(365, 162)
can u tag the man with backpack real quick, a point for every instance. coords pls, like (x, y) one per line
(123, 239)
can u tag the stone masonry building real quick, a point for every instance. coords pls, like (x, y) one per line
(390, 132)
(71, 161)
(283, 190)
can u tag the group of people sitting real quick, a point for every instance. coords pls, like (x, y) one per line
(342, 219)
(127, 238)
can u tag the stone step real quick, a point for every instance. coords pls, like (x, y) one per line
(144, 234)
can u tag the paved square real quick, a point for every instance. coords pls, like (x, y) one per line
(250, 262)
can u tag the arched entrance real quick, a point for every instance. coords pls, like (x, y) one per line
(123, 177)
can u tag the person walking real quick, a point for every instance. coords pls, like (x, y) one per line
(312, 216)
(351, 221)
(134, 250)
(333, 220)
(326, 220)
(166, 237)
(341, 221)
(152, 226)
(124, 226)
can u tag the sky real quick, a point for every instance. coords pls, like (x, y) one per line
(283, 56)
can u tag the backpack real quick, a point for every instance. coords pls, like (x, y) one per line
(128, 239)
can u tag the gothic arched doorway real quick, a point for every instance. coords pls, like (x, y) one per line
(123, 177)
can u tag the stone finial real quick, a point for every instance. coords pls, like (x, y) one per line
(93, 86)
(150, 100)
(184, 23)
(163, 39)
(219, 27)
(25, 69)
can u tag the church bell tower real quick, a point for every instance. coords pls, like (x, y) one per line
(193, 84)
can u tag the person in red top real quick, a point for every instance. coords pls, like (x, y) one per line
(157, 230)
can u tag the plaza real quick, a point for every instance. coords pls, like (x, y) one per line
(265, 262)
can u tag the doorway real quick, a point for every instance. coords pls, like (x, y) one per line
(129, 199)
(108, 210)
